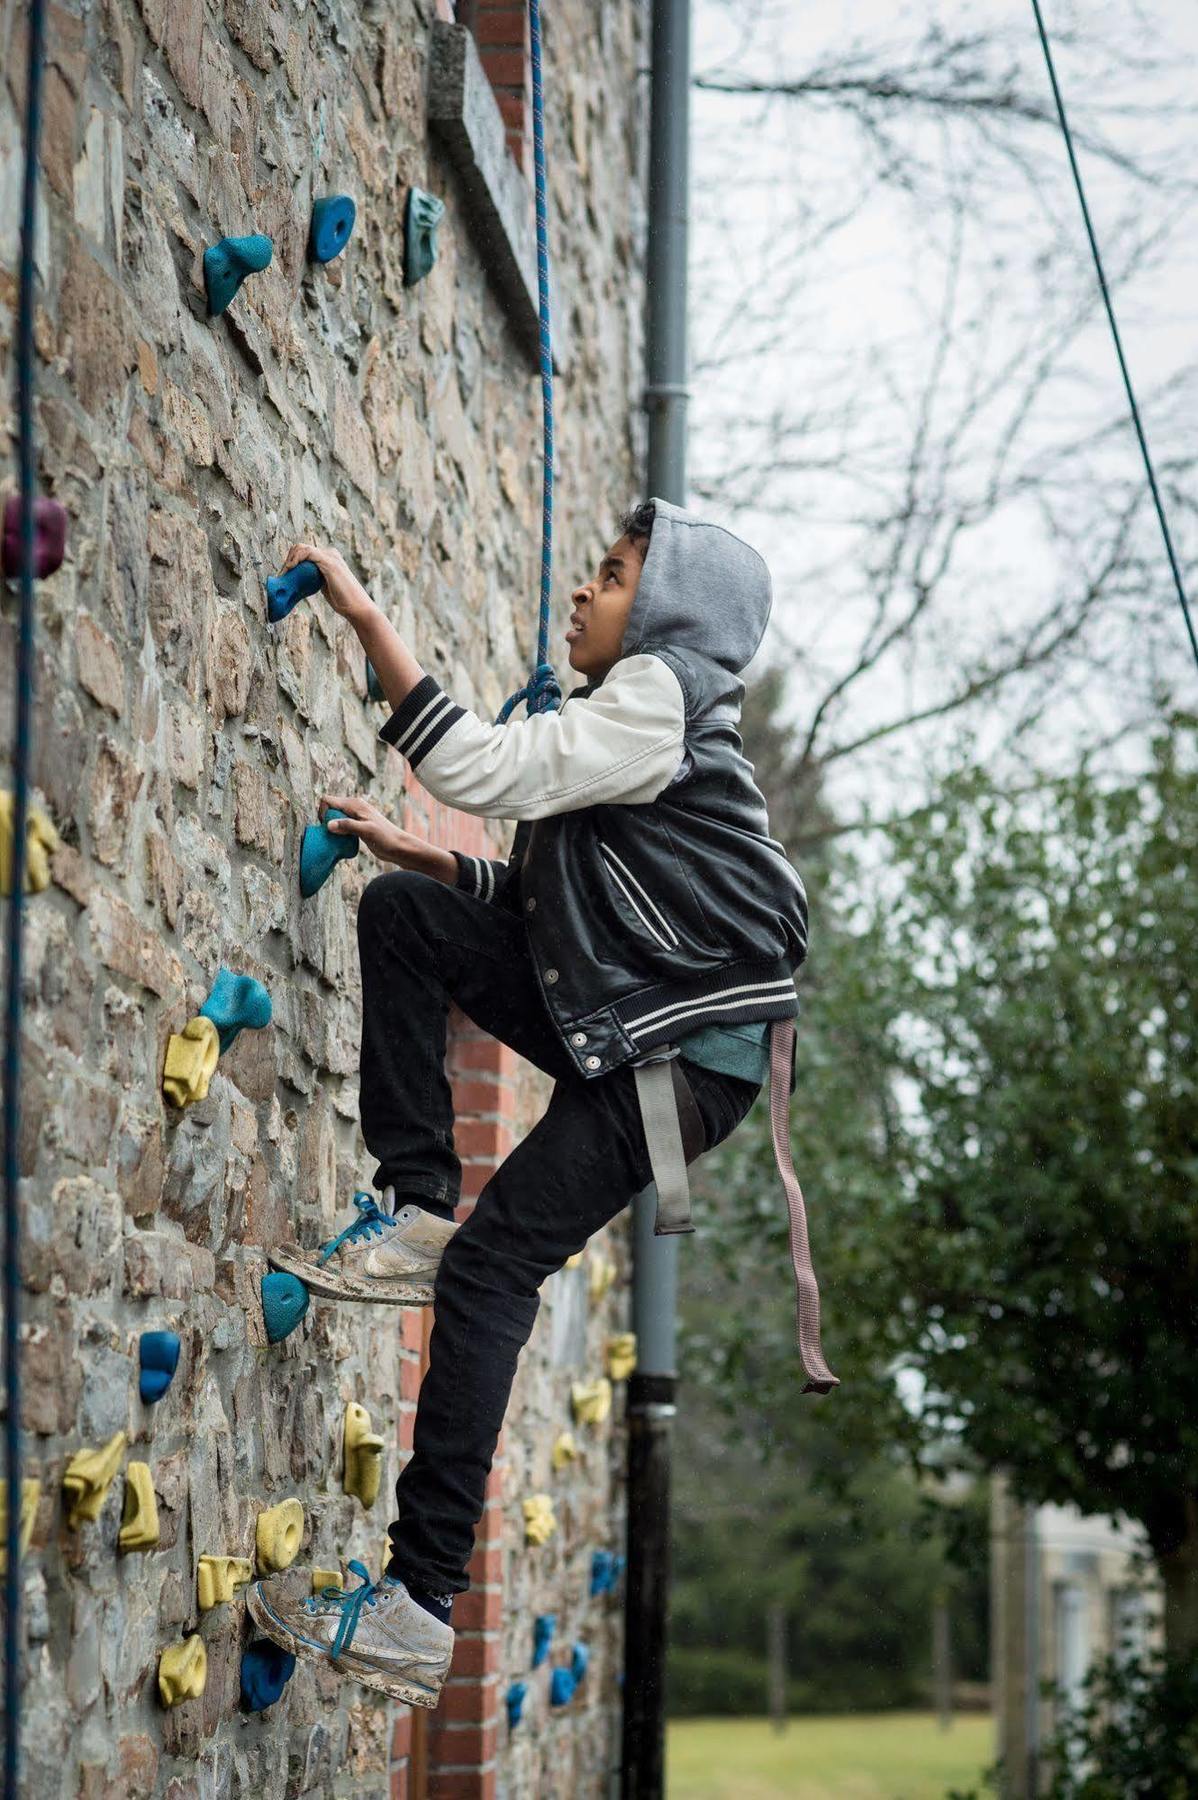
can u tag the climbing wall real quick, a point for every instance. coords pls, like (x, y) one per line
(182, 743)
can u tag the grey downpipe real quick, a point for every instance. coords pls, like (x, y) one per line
(655, 1259)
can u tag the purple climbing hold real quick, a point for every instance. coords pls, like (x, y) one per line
(331, 228)
(227, 264)
(284, 592)
(49, 536)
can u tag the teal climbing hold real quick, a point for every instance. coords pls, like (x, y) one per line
(284, 1303)
(374, 686)
(284, 592)
(158, 1358)
(227, 264)
(579, 1659)
(543, 1628)
(237, 1003)
(561, 1687)
(422, 215)
(266, 1668)
(331, 227)
(321, 850)
(516, 1696)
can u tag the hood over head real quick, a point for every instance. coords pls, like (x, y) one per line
(701, 588)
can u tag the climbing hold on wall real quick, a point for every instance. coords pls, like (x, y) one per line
(516, 1696)
(278, 1534)
(363, 1455)
(266, 1668)
(602, 1274)
(543, 1628)
(422, 215)
(158, 1357)
(590, 1401)
(561, 1687)
(237, 1003)
(139, 1519)
(191, 1058)
(329, 1578)
(565, 1450)
(49, 536)
(31, 1493)
(572, 1262)
(374, 686)
(182, 1671)
(227, 264)
(621, 1355)
(284, 1303)
(602, 1572)
(579, 1659)
(41, 840)
(219, 1577)
(332, 223)
(321, 850)
(88, 1477)
(539, 1521)
(284, 592)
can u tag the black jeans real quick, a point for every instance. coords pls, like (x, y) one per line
(423, 944)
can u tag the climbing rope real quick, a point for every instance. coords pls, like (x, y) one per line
(1110, 313)
(16, 910)
(542, 692)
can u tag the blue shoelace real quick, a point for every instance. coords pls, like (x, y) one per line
(372, 1222)
(349, 1603)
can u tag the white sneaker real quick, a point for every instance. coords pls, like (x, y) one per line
(375, 1633)
(392, 1259)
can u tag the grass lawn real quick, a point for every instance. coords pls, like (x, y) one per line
(863, 1756)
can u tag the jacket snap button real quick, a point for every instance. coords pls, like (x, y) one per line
(592, 1062)
(551, 974)
(578, 1037)
(530, 905)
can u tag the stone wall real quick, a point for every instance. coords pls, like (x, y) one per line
(181, 747)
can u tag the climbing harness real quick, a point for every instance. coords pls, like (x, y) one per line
(674, 1137)
(372, 1222)
(1110, 313)
(542, 691)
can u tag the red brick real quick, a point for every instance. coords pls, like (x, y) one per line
(407, 1427)
(506, 25)
(506, 68)
(401, 1734)
(485, 1568)
(483, 1052)
(484, 1137)
(410, 1377)
(495, 1479)
(399, 1783)
(469, 1701)
(475, 1177)
(411, 1329)
(474, 1652)
(461, 1784)
(482, 1096)
(459, 1746)
(479, 1609)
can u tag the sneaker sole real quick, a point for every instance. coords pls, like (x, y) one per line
(412, 1693)
(329, 1285)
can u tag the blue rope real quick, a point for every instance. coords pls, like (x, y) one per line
(542, 692)
(1110, 313)
(21, 757)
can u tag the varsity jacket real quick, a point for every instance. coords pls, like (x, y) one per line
(654, 897)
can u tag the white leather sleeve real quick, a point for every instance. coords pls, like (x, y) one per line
(623, 743)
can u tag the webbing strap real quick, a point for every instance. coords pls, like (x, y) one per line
(661, 1100)
(820, 1379)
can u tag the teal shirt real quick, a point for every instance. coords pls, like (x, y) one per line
(742, 1050)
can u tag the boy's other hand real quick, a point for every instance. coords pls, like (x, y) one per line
(387, 841)
(344, 591)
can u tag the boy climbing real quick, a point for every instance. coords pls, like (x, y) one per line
(639, 945)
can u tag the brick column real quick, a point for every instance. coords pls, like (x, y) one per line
(501, 32)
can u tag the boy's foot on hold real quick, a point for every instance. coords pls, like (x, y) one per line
(385, 1257)
(376, 1634)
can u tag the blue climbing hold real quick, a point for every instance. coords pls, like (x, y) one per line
(321, 850)
(284, 1303)
(332, 224)
(158, 1356)
(516, 1696)
(543, 1628)
(602, 1572)
(266, 1668)
(579, 1659)
(237, 1003)
(561, 1687)
(374, 686)
(227, 264)
(284, 592)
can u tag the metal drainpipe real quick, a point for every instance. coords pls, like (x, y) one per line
(655, 1260)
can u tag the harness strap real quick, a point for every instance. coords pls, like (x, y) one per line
(820, 1379)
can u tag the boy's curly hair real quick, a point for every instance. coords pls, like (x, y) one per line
(637, 525)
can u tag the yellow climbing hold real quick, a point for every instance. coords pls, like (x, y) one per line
(539, 1522)
(572, 1262)
(278, 1535)
(330, 1578)
(564, 1451)
(31, 1493)
(621, 1355)
(88, 1477)
(603, 1273)
(183, 1671)
(590, 1401)
(219, 1577)
(191, 1058)
(363, 1469)
(41, 840)
(139, 1521)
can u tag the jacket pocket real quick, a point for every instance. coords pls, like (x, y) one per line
(645, 908)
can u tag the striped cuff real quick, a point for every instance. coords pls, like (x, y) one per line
(421, 720)
(477, 874)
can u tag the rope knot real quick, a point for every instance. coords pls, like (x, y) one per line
(542, 692)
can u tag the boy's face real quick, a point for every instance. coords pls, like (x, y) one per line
(601, 609)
